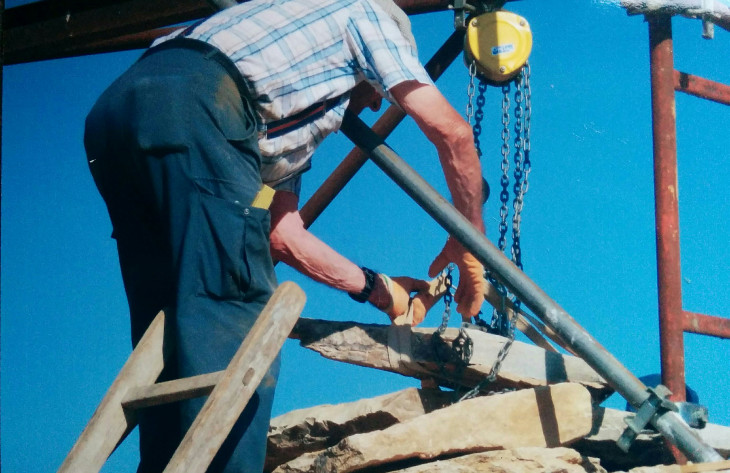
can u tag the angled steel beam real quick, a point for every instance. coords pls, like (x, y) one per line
(51, 29)
(43, 30)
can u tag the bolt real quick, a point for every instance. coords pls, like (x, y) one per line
(523, 22)
(474, 22)
(502, 69)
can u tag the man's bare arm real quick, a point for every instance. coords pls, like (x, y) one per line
(454, 140)
(294, 245)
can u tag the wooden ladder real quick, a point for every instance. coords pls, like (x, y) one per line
(229, 390)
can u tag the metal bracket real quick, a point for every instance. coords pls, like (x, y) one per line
(460, 7)
(695, 415)
(656, 402)
(708, 27)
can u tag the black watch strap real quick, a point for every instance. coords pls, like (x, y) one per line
(364, 295)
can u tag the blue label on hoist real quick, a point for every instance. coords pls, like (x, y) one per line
(503, 49)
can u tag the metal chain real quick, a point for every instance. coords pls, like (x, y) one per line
(470, 92)
(501, 322)
(475, 114)
(479, 117)
(527, 166)
(460, 351)
(504, 181)
(522, 162)
(519, 159)
(495, 368)
(448, 299)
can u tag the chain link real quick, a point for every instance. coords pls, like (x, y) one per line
(495, 368)
(504, 180)
(448, 299)
(522, 161)
(470, 92)
(460, 351)
(479, 117)
(519, 159)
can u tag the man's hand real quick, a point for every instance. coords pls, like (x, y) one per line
(469, 295)
(393, 296)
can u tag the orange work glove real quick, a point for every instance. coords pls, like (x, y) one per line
(469, 295)
(399, 291)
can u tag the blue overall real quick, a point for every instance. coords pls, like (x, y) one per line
(172, 146)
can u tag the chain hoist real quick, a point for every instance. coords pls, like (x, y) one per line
(496, 49)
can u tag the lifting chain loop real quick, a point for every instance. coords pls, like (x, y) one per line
(459, 352)
(504, 180)
(448, 299)
(470, 92)
(501, 323)
(522, 162)
(495, 367)
(479, 117)
(477, 114)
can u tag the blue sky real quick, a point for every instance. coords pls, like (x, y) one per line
(587, 232)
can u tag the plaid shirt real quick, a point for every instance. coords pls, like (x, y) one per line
(296, 53)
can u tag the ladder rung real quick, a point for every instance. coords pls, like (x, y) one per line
(171, 391)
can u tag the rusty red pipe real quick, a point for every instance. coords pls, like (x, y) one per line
(669, 276)
(706, 324)
(700, 87)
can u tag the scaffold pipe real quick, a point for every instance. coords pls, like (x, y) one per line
(621, 379)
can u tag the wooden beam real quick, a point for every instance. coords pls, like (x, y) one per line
(171, 391)
(409, 352)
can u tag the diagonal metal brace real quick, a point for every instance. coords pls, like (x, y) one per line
(656, 402)
(631, 388)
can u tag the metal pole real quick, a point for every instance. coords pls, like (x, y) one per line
(706, 324)
(702, 88)
(669, 273)
(633, 390)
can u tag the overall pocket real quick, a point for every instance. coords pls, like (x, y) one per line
(233, 250)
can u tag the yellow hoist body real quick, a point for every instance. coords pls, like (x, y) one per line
(499, 43)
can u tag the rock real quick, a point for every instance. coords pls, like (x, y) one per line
(647, 450)
(518, 460)
(409, 351)
(316, 428)
(542, 417)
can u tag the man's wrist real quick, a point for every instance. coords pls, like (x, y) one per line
(364, 295)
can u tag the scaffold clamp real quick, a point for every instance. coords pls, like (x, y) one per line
(656, 402)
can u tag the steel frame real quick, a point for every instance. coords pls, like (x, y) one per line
(674, 321)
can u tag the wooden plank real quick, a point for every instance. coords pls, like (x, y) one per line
(111, 423)
(171, 391)
(409, 351)
(244, 373)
